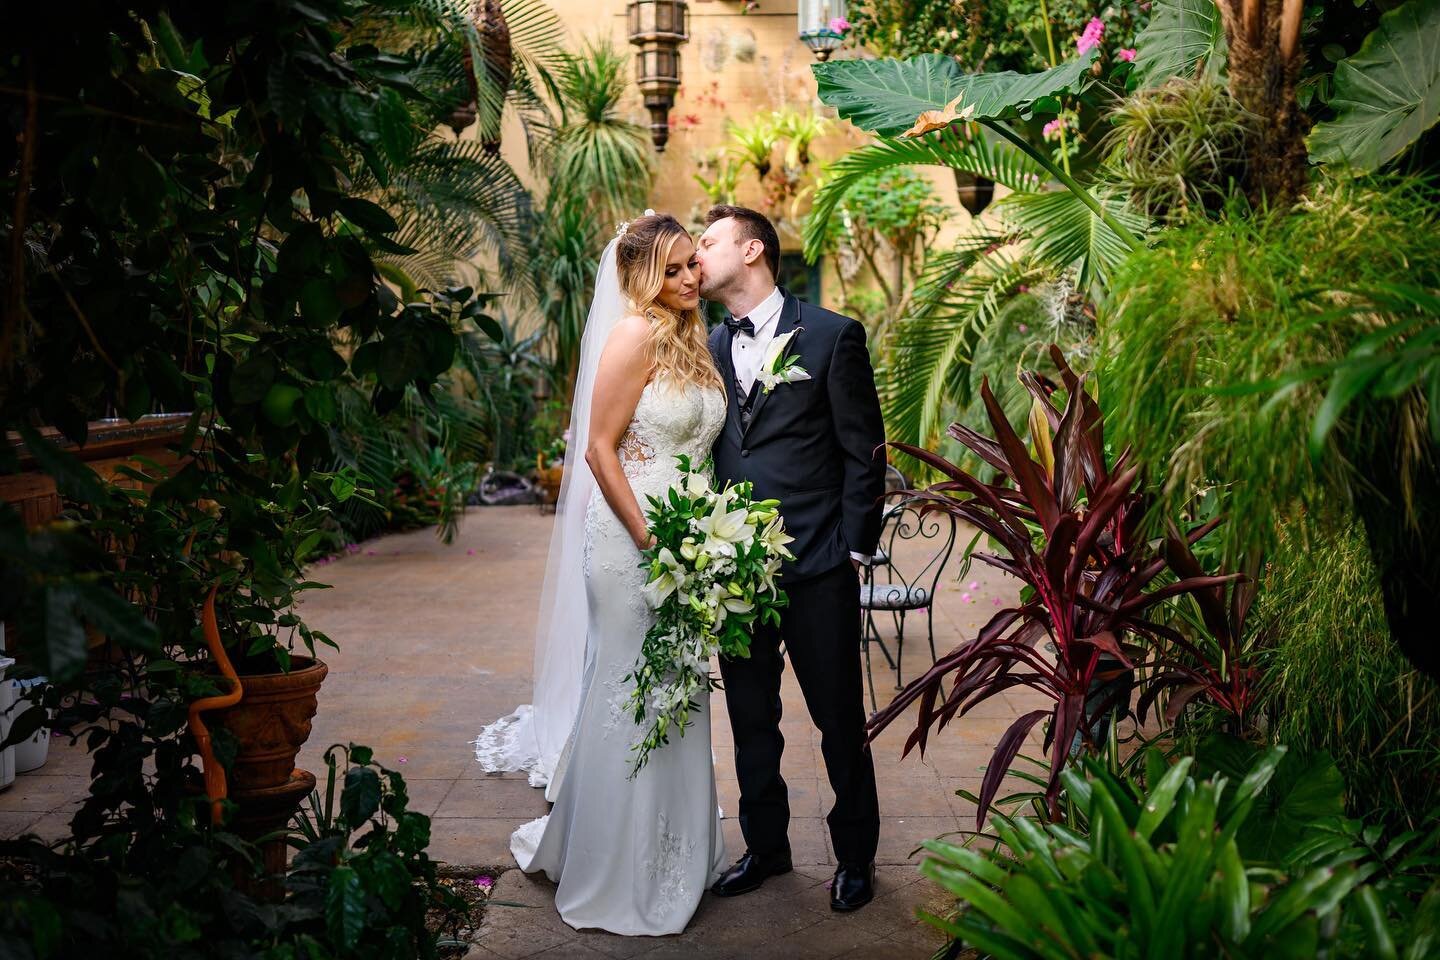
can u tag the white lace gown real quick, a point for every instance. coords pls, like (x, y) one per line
(631, 856)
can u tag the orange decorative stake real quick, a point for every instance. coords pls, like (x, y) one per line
(214, 773)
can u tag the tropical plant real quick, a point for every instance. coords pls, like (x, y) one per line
(800, 130)
(1386, 95)
(888, 219)
(1184, 39)
(562, 258)
(1178, 150)
(1168, 871)
(1036, 238)
(1219, 374)
(601, 159)
(1334, 680)
(721, 187)
(1214, 658)
(1067, 522)
(360, 885)
(192, 232)
(366, 895)
(754, 143)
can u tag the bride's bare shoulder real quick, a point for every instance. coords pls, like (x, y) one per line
(629, 333)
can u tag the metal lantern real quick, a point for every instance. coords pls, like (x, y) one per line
(657, 28)
(823, 26)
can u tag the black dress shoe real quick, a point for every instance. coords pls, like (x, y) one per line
(749, 872)
(852, 888)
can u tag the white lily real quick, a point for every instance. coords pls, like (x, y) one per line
(776, 368)
(723, 528)
(774, 537)
(668, 575)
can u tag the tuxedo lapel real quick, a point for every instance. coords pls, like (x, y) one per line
(789, 320)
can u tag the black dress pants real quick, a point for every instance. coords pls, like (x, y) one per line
(821, 631)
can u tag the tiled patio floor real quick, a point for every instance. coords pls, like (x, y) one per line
(436, 641)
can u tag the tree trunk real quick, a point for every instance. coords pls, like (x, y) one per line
(1264, 41)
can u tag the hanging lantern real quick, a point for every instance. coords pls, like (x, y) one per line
(657, 28)
(823, 26)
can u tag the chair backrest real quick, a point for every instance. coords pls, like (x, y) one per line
(905, 522)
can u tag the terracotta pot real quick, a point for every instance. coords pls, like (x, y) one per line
(272, 723)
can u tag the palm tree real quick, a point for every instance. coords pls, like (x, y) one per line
(456, 200)
(600, 159)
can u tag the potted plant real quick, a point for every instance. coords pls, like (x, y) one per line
(550, 469)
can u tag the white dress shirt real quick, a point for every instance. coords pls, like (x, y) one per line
(747, 350)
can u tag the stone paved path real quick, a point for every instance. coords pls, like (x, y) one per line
(436, 641)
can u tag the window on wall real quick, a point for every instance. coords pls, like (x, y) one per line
(797, 276)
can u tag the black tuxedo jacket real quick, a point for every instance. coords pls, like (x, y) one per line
(813, 445)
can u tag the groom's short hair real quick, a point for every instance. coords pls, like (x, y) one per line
(752, 225)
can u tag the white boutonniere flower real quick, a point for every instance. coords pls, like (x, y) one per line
(776, 367)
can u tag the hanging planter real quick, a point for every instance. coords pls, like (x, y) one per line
(975, 192)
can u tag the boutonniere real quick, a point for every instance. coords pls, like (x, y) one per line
(777, 367)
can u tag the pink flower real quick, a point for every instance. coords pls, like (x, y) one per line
(469, 553)
(403, 759)
(995, 601)
(1023, 328)
(484, 882)
(974, 584)
(1090, 38)
(839, 25)
(1127, 54)
(965, 597)
(1052, 129)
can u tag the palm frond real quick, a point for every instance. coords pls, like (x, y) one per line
(975, 154)
(1063, 231)
(600, 156)
(959, 296)
(537, 48)
(457, 201)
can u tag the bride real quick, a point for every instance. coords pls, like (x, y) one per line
(629, 856)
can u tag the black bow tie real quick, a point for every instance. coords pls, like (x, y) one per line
(743, 324)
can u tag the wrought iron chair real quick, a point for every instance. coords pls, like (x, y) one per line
(887, 587)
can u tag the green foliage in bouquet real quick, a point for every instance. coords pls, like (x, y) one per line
(711, 580)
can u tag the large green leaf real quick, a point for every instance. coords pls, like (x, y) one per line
(1064, 230)
(887, 96)
(1181, 36)
(1388, 94)
(1304, 790)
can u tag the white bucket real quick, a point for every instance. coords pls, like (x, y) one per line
(7, 701)
(31, 754)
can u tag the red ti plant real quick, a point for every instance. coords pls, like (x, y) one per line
(1217, 665)
(1067, 524)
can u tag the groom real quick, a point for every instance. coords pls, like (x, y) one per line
(811, 443)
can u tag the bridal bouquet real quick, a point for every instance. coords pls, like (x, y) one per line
(711, 578)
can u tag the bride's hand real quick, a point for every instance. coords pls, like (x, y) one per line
(645, 542)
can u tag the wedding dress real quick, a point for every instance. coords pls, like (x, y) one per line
(631, 856)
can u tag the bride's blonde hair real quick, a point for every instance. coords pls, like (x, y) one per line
(676, 345)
